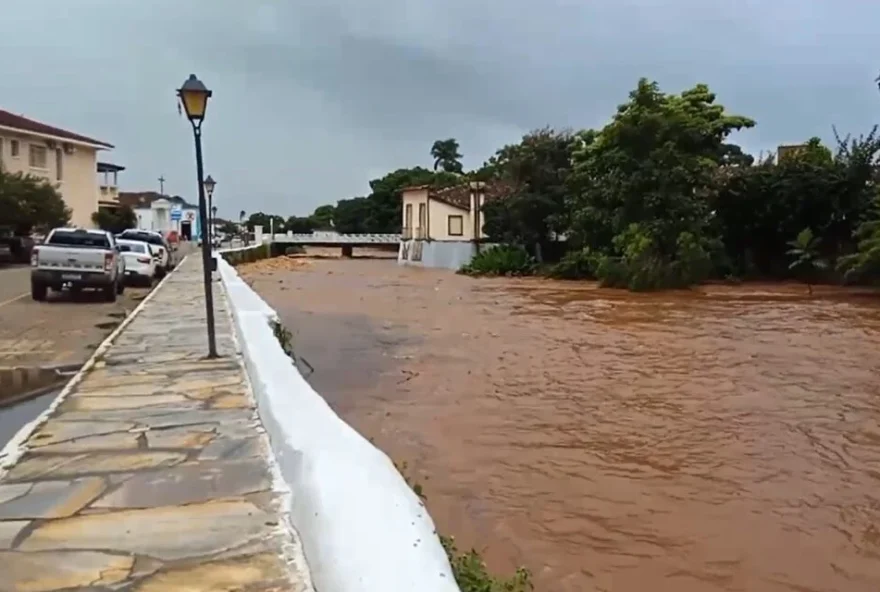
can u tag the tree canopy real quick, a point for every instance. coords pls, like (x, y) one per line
(115, 220)
(29, 203)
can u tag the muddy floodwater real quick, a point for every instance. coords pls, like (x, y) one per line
(726, 439)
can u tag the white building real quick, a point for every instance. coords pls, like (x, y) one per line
(165, 214)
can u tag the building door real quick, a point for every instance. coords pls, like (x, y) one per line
(186, 230)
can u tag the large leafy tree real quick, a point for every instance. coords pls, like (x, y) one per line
(647, 175)
(115, 220)
(352, 215)
(267, 221)
(446, 155)
(759, 208)
(299, 225)
(536, 170)
(322, 217)
(28, 203)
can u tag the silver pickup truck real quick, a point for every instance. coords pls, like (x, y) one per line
(77, 258)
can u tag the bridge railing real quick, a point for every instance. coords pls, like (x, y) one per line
(341, 239)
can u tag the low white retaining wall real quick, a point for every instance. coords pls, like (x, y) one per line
(362, 527)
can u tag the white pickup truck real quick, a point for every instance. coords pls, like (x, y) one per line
(77, 258)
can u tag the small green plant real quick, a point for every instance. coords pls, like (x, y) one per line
(471, 574)
(416, 487)
(804, 252)
(469, 569)
(284, 337)
(507, 260)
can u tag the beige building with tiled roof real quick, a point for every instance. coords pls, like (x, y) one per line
(448, 214)
(442, 227)
(67, 160)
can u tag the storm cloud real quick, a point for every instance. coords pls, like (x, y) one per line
(312, 99)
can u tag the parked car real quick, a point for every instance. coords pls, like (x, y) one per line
(140, 265)
(77, 258)
(161, 252)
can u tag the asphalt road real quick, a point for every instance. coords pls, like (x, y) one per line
(62, 330)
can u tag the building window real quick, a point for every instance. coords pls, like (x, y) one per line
(37, 157)
(455, 225)
(59, 164)
(14, 148)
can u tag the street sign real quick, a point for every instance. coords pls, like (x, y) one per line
(175, 215)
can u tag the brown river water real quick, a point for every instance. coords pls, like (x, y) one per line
(724, 439)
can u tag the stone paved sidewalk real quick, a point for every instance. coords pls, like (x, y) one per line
(151, 475)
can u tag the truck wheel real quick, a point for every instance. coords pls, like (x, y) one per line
(160, 272)
(38, 291)
(120, 287)
(110, 292)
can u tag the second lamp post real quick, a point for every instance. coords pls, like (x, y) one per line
(210, 183)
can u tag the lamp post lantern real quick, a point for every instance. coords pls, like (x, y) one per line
(194, 97)
(210, 183)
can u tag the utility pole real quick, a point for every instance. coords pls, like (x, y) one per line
(162, 185)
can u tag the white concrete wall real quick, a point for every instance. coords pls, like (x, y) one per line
(443, 254)
(362, 528)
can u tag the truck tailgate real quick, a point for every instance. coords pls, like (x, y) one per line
(71, 259)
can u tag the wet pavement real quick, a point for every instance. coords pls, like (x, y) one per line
(12, 418)
(63, 330)
(152, 473)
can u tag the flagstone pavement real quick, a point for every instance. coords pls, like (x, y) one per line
(152, 473)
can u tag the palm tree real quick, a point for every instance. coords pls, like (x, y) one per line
(805, 254)
(244, 234)
(446, 155)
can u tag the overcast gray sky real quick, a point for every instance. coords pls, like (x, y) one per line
(313, 98)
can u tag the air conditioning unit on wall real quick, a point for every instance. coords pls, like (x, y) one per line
(69, 149)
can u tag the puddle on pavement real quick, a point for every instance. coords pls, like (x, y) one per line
(14, 417)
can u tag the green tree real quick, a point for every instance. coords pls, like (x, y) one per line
(759, 208)
(536, 170)
(115, 220)
(267, 221)
(352, 215)
(646, 177)
(299, 225)
(446, 155)
(804, 253)
(28, 203)
(322, 217)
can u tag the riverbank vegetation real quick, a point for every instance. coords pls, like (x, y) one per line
(660, 197)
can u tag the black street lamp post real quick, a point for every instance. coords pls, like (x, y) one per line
(194, 96)
(209, 184)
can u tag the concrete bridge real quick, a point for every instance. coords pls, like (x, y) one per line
(346, 241)
(158, 469)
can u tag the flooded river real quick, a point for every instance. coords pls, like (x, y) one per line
(720, 440)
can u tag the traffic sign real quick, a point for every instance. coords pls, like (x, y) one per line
(175, 215)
